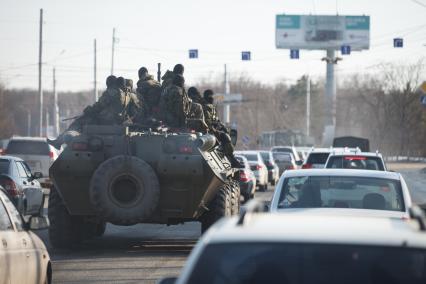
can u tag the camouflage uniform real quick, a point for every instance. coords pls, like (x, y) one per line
(175, 106)
(149, 92)
(210, 114)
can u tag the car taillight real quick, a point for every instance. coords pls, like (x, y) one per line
(10, 187)
(51, 155)
(355, 158)
(80, 146)
(291, 167)
(185, 149)
(244, 176)
(1, 152)
(307, 166)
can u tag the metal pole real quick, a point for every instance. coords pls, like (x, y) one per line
(40, 87)
(56, 104)
(226, 107)
(47, 123)
(308, 105)
(113, 49)
(95, 86)
(28, 122)
(330, 98)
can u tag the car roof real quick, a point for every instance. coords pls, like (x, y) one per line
(342, 172)
(24, 138)
(351, 153)
(320, 150)
(300, 228)
(246, 152)
(5, 157)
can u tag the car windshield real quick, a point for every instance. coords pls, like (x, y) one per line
(317, 158)
(284, 157)
(341, 192)
(4, 166)
(251, 157)
(285, 150)
(265, 156)
(27, 148)
(355, 162)
(308, 263)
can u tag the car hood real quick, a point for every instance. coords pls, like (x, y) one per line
(344, 212)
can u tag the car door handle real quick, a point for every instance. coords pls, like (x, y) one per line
(4, 243)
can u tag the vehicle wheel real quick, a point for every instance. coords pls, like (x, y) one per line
(235, 197)
(273, 182)
(265, 187)
(219, 207)
(124, 190)
(64, 230)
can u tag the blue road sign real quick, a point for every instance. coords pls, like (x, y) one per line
(246, 55)
(398, 42)
(345, 49)
(423, 100)
(193, 53)
(294, 54)
(245, 139)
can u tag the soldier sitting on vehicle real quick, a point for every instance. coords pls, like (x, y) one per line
(149, 92)
(169, 75)
(175, 103)
(112, 108)
(196, 115)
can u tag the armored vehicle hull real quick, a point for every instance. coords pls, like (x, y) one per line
(111, 174)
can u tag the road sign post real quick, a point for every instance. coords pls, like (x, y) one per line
(193, 53)
(345, 49)
(398, 42)
(294, 54)
(246, 55)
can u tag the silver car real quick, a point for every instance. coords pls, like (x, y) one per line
(258, 167)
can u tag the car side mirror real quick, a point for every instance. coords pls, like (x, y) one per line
(168, 280)
(299, 162)
(37, 175)
(37, 223)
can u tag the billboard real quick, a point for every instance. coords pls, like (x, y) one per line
(322, 32)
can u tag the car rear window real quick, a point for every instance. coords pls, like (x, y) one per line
(341, 192)
(282, 157)
(27, 148)
(355, 162)
(317, 158)
(308, 263)
(4, 166)
(283, 150)
(251, 157)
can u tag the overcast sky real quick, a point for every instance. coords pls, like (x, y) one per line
(164, 30)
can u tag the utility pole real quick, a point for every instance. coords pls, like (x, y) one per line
(226, 107)
(113, 50)
(95, 86)
(56, 104)
(40, 87)
(308, 105)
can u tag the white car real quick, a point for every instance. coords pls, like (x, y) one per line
(342, 192)
(355, 160)
(273, 248)
(258, 167)
(316, 158)
(23, 256)
(36, 153)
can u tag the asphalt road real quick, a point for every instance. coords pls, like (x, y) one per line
(146, 253)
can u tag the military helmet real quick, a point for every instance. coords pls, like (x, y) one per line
(178, 69)
(194, 94)
(111, 81)
(208, 96)
(121, 83)
(142, 72)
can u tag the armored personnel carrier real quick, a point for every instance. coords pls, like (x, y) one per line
(125, 177)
